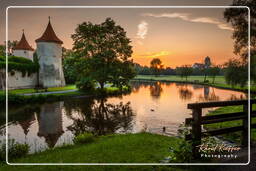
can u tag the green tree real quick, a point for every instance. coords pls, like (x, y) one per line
(69, 60)
(156, 66)
(2, 50)
(184, 71)
(236, 72)
(238, 18)
(213, 72)
(104, 53)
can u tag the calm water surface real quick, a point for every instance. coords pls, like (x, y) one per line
(150, 106)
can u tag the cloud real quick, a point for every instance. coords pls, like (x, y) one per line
(186, 17)
(156, 54)
(142, 30)
(183, 16)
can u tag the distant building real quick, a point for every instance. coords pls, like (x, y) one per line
(206, 64)
(198, 65)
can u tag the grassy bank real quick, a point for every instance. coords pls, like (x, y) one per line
(17, 97)
(126, 148)
(31, 90)
(219, 81)
(235, 136)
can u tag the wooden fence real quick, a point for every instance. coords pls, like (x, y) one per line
(198, 120)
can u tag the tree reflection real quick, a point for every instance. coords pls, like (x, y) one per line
(185, 93)
(156, 90)
(209, 95)
(100, 117)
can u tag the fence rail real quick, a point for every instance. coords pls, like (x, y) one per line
(198, 120)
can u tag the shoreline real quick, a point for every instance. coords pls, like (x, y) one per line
(20, 99)
(197, 83)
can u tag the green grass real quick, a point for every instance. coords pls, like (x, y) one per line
(24, 91)
(126, 148)
(235, 136)
(219, 81)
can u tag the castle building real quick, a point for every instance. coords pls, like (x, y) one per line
(49, 53)
(23, 49)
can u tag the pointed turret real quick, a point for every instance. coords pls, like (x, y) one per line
(49, 35)
(23, 44)
(23, 49)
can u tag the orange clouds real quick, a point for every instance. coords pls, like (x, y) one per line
(155, 54)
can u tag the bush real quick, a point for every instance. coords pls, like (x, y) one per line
(86, 84)
(84, 138)
(15, 150)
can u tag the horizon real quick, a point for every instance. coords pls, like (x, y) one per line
(175, 36)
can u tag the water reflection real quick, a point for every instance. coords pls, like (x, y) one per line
(156, 90)
(208, 95)
(99, 117)
(50, 123)
(185, 93)
(151, 104)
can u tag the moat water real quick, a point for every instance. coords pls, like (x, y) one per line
(149, 107)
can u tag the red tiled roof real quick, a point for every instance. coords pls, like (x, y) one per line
(23, 44)
(49, 35)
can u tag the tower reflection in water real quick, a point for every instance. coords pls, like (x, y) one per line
(50, 123)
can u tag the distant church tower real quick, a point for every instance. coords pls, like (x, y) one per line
(23, 49)
(49, 52)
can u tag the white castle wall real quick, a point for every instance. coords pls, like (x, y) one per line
(24, 53)
(50, 60)
(17, 81)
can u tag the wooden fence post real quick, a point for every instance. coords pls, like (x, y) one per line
(196, 131)
(245, 131)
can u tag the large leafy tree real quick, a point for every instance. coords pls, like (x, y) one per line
(156, 66)
(236, 72)
(238, 17)
(104, 51)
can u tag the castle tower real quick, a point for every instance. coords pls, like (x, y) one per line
(23, 49)
(49, 52)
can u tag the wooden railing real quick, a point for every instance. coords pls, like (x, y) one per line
(198, 120)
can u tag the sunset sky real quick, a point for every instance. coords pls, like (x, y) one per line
(176, 36)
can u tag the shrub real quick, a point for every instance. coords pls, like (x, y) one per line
(15, 150)
(86, 84)
(84, 138)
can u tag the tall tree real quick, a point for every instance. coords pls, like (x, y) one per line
(184, 71)
(213, 72)
(2, 50)
(104, 51)
(236, 72)
(156, 66)
(238, 17)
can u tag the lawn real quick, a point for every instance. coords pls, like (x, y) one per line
(219, 80)
(235, 137)
(125, 148)
(24, 91)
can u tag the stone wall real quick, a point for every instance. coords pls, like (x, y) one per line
(24, 53)
(17, 81)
